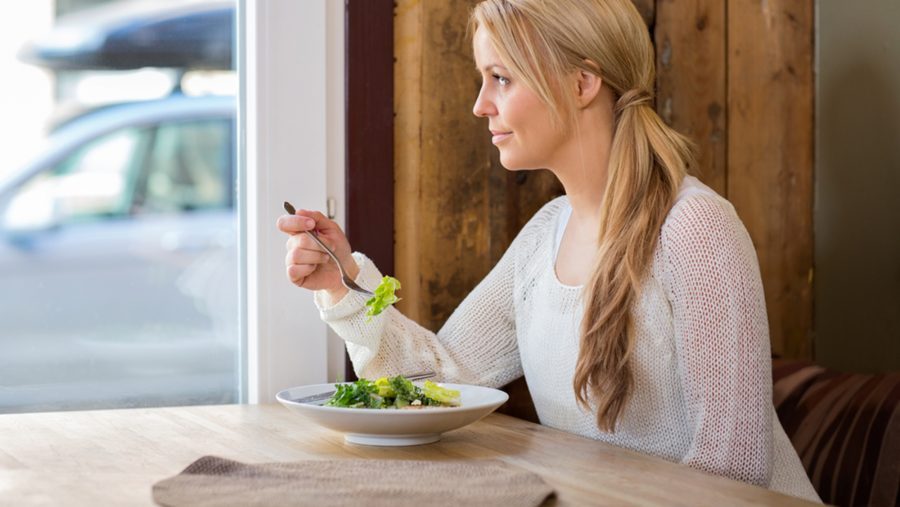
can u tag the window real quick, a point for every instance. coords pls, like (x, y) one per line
(87, 185)
(128, 294)
(118, 232)
(189, 168)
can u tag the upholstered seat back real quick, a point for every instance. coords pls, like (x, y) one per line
(846, 429)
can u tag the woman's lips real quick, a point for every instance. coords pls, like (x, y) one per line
(497, 136)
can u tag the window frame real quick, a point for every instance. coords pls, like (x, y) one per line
(290, 117)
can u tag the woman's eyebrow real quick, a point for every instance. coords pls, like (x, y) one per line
(490, 67)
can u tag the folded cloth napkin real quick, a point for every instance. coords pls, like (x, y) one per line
(212, 482)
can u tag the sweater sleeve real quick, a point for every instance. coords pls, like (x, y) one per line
(477, 344)
(722, 338)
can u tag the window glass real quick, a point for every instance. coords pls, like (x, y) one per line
(189, 168)
(118, 234)
(92, 183)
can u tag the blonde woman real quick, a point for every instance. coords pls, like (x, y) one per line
(633, 305)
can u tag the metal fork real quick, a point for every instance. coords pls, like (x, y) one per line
(346, 280)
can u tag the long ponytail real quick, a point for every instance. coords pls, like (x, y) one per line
(647, 164)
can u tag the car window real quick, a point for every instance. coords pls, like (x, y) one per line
(189, 168)
(93, 182)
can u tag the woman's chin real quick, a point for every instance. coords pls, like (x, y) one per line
(514, 165)
(510, 163)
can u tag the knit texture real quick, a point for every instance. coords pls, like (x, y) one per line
(702, 368)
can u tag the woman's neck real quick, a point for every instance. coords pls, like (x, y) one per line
(584, 180)
(582, 163)
(582, 170)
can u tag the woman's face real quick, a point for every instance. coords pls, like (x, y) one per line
(521, 124)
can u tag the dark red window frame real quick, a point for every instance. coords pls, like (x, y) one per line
(369, 89)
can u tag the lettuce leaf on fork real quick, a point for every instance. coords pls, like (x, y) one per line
(383, 298)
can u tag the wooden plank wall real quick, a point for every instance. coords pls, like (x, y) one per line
(736, 76)
(692, 92)
(770, 155)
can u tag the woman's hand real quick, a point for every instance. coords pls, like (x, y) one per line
(307, 265)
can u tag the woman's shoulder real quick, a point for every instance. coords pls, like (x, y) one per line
(701, 219)
(541, 226)
(546, 217)
(698, 207)
(693, 190)
(703, 244)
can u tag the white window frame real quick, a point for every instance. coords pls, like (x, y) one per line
(291, 147)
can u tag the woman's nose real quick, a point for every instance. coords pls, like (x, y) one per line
(483, 107)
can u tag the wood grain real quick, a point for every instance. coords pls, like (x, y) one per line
(691, 80)
(443, 245)
(114, 457)
(408, 152)
(647, 8)
(770, 155)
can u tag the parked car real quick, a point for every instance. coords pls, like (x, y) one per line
(118, 261)
(133, 34)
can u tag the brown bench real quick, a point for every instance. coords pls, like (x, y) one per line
(846, 429)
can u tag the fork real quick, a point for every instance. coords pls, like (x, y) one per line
(346, 280)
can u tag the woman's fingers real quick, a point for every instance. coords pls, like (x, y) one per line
(305, 256)
(304, 242)
(325, 228)
(322, 222)
(304, 220)
(295, 224)
(297, 273)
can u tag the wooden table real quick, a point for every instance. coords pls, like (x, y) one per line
(113, 457)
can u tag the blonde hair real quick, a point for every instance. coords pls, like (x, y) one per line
(541, 42)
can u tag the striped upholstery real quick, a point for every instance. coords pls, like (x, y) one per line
(846, 429)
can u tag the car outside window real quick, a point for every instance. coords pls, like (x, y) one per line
(188, 168)
(91, 183)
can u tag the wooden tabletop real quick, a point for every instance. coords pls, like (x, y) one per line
(113, 457)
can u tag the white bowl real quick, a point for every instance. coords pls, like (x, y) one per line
(390, 427)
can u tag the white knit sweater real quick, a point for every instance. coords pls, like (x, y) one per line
(702, 369)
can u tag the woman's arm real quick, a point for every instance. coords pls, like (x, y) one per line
(477, 345)
(722, 338)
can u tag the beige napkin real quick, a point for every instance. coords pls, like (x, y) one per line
(212, 481)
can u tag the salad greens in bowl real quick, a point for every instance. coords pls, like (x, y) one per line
(394, 411)
(392, 393)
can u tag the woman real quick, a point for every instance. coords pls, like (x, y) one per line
(633, 305)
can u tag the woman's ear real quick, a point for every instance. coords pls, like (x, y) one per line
(587, 87)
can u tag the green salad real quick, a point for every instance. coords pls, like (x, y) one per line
(384, 296)
(394, 392)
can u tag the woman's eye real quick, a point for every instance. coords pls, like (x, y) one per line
(502, 80)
